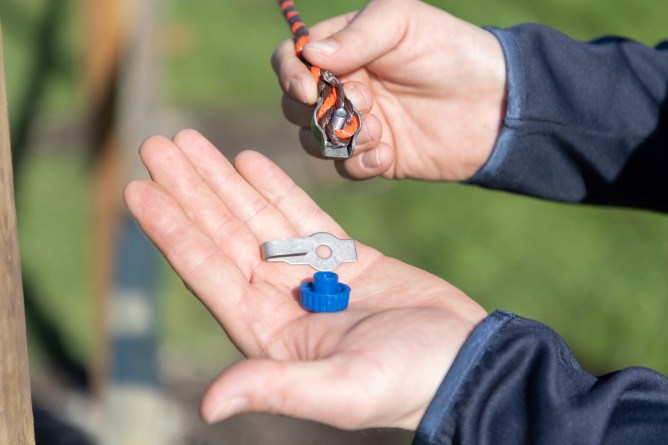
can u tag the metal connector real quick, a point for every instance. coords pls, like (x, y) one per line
(304, 251)
(329, 148)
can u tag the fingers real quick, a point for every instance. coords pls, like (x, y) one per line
(330, 26)
(253, 210)
(375, 161)
(312, 390)
(300, 114)
(204, 268)
(281, 192)
(294, 77)
(296, 111)
(256, 191)
(170, 168)
(376, 30)
(372, 158)
(363, 165)
(369, 137)
(351, 42)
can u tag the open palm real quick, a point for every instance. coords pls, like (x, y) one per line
(376, 364)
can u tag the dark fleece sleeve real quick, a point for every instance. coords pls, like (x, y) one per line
(585, 122)
(515, 381)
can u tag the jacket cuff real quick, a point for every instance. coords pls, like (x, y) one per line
(515, 99)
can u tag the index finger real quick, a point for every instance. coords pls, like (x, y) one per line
(202, 265)
(293, 75)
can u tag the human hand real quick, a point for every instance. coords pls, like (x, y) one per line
(379, 363)
(430, 87)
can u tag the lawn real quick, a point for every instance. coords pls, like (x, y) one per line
(597, 276)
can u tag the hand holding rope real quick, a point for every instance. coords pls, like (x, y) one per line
(335, 121)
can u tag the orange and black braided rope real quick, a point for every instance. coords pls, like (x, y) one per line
(335, 115)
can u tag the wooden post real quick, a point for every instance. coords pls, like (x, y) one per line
(16, 421)
(120, 55)
(104, 20)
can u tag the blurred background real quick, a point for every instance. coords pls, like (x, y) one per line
(120, 352)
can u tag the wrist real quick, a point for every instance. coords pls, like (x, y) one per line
(513, 107)
(454, 335)
(449, 391)
(491, 107)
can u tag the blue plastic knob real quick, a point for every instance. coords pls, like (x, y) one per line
(324, 293)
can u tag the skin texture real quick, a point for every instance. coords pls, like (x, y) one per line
(378, 363)
(431, 89)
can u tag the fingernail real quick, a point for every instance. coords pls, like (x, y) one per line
(326, 47)
(227, 409)
(370, 159)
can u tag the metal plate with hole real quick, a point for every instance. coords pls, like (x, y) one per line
(305, 251)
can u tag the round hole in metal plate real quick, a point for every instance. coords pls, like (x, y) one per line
(324, 252)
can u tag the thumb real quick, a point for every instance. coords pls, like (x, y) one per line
(311, 390)
(373, 32)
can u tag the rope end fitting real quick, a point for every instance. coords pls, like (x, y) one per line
(337, 149)
(335, 121)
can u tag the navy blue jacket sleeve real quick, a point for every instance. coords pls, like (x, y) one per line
(585, 122)
(515, 381)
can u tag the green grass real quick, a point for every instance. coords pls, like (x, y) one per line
(55, 234)
(598, 276)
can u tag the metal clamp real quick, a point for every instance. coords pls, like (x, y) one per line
(304, 251)
(330, 149)
(339, 115)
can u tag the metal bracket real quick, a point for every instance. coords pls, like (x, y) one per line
(304, 251)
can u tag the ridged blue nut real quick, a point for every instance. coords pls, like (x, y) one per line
(324, 293)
